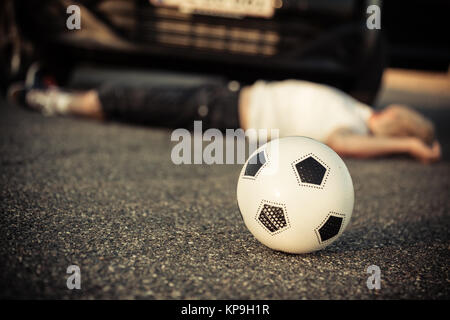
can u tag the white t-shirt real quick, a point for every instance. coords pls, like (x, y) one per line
(301, 108)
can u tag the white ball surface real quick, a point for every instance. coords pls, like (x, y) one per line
(298, 197)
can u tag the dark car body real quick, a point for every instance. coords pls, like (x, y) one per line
(326, 41)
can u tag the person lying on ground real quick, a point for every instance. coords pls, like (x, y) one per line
(294, 107)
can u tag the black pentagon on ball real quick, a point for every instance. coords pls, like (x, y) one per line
(254, 164)
(310, 171)
(272, 217)
(330, 228)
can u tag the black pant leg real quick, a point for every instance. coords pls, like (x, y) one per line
(172, 106)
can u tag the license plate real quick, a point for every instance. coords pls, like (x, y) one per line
(257, 8)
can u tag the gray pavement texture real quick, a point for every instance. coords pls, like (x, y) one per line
(106, 197)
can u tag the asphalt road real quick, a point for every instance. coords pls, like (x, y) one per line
(107, 198)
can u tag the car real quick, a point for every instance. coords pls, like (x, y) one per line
(325, 41)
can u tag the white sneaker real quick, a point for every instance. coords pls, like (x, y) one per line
(49, 102)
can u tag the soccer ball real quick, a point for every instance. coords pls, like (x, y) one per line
(295, 195)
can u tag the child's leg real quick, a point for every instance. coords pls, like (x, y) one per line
(168, 106)
(55, 101)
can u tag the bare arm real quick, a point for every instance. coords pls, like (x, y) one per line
(347, 143)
